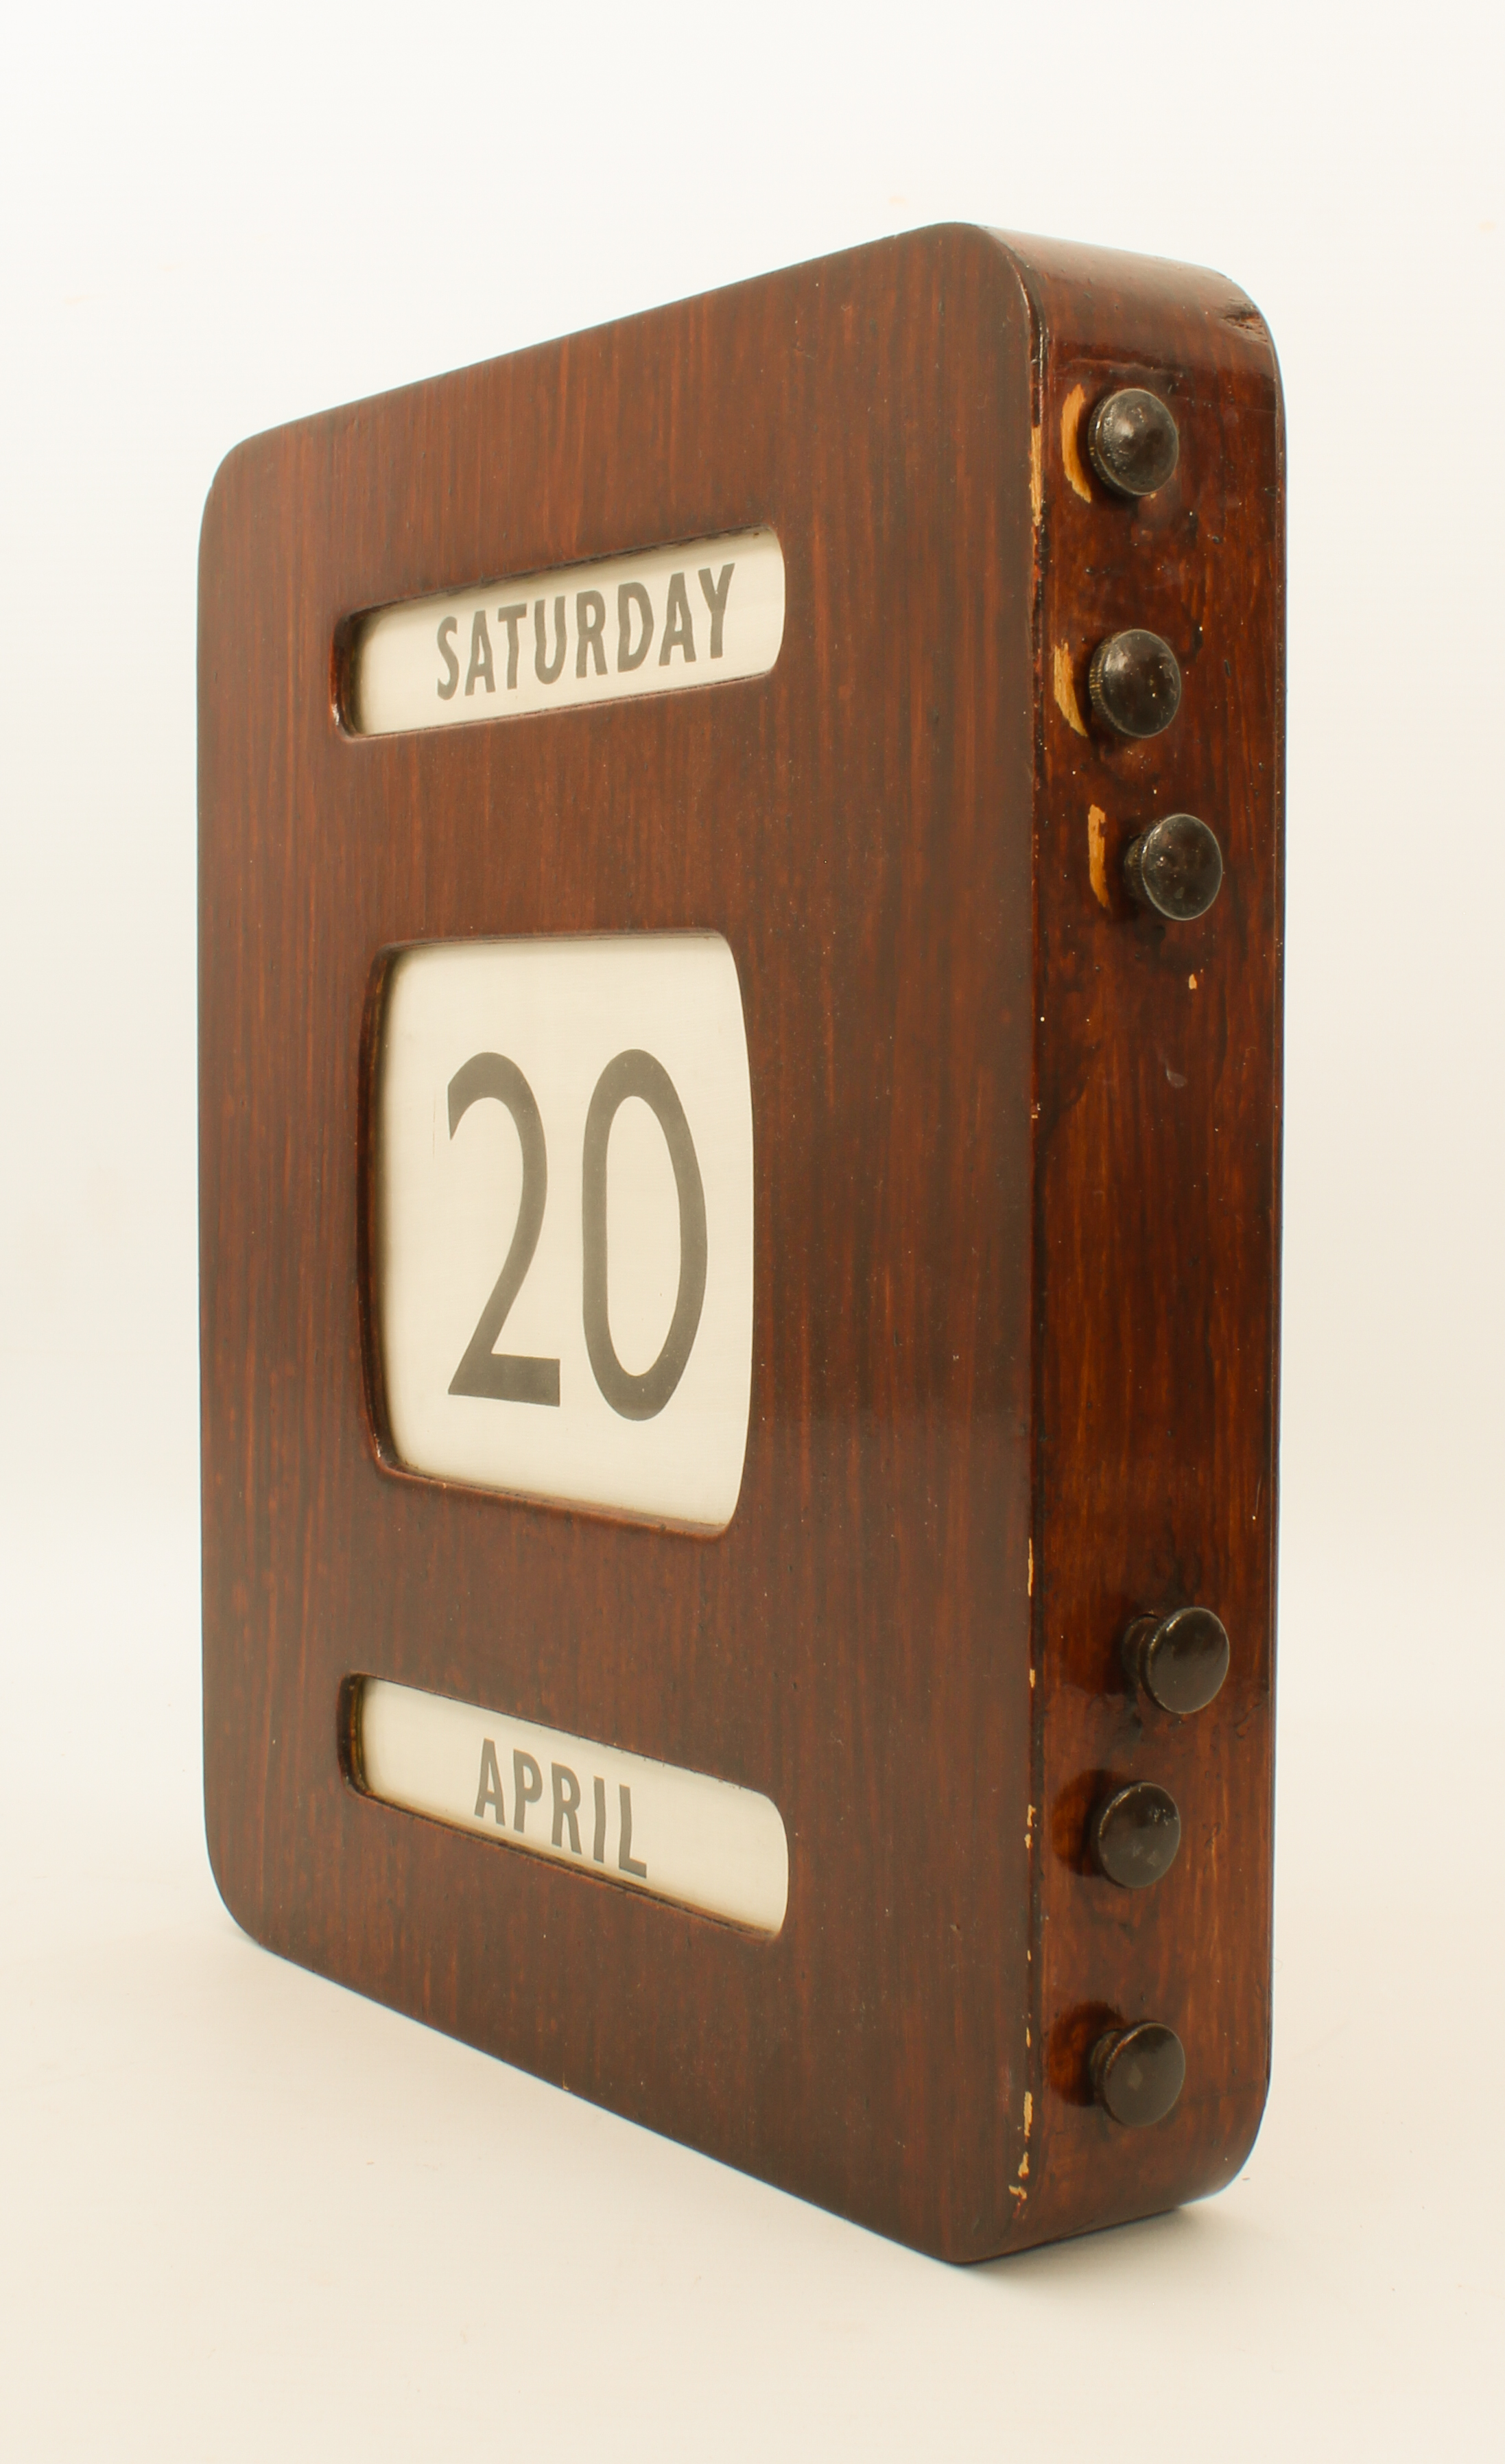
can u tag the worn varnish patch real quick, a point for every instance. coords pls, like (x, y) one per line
(1098, 855)
(1064, 685)
(1071, 410)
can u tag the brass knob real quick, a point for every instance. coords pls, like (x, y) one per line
(1175, 866)
(1134, 683)
(1132, 442)
(1137, 2073)
(1133, 1835)
(1179, 1660)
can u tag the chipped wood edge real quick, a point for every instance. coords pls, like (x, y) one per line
(1071, 420)
(1064, 685)
(1098, 855)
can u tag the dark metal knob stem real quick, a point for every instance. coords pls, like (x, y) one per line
(1133, 1835)
(1181, 1659)
(1137, 2073)
(1175, 866)
(1134, 683)
(1132, 442)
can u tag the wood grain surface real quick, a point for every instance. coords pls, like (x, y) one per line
(1156, 1221)
(1015, 1235)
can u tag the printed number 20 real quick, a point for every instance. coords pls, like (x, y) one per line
(515, 1378)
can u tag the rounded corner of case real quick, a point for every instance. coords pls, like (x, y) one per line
(238, 1910)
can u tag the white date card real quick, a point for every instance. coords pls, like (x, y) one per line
(564, 1219)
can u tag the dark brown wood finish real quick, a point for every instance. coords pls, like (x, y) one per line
(1015, 1221)
(1156, 1219)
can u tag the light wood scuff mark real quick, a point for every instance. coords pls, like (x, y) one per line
(1097, 856)
(1071, 420)
(1064, 688)
(1031, 1570)
(1191, 983)
(1037, 476)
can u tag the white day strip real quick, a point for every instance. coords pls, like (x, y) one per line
(701, 613)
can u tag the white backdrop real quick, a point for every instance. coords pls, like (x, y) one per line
(241, 2212)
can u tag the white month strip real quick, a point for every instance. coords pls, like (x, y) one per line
(703, 613)
(677, 1835)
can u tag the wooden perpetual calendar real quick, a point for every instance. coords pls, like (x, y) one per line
(741, 901)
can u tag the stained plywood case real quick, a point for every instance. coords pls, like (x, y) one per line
(1014, 1192)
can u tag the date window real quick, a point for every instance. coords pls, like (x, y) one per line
(563, 1221)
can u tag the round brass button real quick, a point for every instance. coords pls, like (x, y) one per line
(1134, 683)
(1179, 1660)
(1134, 1834)
(1175, 866)
(1137, 2073)
(1132, 442)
